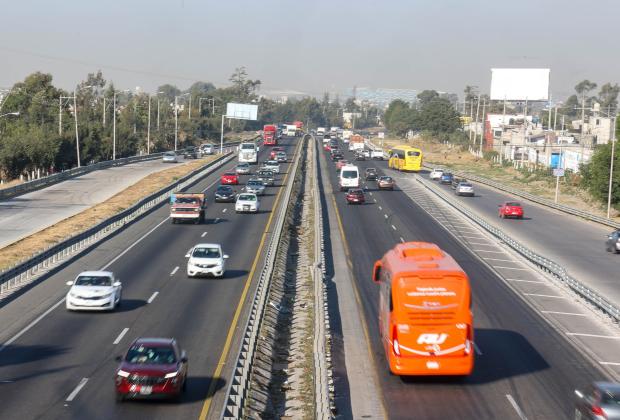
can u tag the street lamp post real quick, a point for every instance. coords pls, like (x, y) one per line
(611, 165)
(16, 114)
(148, 129)
(176, 120)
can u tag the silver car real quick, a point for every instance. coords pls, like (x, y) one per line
(255, 186)
(243, 168)
(170, 157)
(207, 149)
(464, 188)
(271, 165)
(600, 401)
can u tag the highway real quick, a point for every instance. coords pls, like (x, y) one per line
(61, 365)
(524, 367)
(574, 243)
(29, 213)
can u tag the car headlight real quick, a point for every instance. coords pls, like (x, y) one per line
(171, 375)
(122, 373)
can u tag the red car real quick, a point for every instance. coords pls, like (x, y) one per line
(152, 367)
(230, 178)
(274, 152)
(510, 209)
(327, 147)
(340, 163)
(355, 196)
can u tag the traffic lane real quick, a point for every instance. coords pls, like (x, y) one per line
(508, 333)
(161, 237)
(574, 243)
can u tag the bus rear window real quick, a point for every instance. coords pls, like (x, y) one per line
(416, 153)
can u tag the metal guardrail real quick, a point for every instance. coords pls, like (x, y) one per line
(240, 381)
(323, 375)
(534, 198)
(36, 266)
(544, 263)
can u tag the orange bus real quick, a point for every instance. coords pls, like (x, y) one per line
(425, 318)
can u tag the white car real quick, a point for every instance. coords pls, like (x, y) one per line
(206, 259)
(207, 149)
(170, 157)
(436, 174)
(247, 203)
(366, 153)
(271, 165)
(94, 291)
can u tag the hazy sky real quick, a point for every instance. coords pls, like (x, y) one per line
(309, 46)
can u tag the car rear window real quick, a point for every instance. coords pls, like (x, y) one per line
(151, 355)
(349, 174)
(513, 204)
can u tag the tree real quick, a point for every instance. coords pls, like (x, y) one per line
(438, 116)
(243, 87)
(426, 96)
(470, 93)
(608, 96)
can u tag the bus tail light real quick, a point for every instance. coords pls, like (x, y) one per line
(468, 340)
(395, 341)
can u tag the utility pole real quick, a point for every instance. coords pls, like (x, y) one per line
(555, 118)
(176, 122)
(104, 111)
(611, 165)
(135, 112)
(477, 115)
(158, 113)
(60, 116)
(483, 121)
(471, 117)
(148, 129)
(77, 138)
(189, 115)
(114, 127)
(222, 136)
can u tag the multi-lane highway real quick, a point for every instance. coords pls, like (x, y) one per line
(524, 367)
(59, 364)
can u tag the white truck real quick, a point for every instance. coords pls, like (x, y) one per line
(346, 135)
(320, 131)
(291, 130)
(334, 131)
(377, 154)
(248, 152)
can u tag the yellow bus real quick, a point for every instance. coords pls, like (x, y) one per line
(405, 158)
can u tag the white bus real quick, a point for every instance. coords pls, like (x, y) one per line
(248, 152)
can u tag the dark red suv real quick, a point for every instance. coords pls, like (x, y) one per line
(355, 196)
(152, 367)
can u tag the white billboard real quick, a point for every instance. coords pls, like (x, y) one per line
(520, 84)
(241, 111)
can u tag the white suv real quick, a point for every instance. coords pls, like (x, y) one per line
(206, 259)
(349, 177)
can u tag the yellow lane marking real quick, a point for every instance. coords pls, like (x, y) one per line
(233, 325)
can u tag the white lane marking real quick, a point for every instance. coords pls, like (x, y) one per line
(152, 298)
(477, 243)
(6, 382)
(386, 216)
(380, 208)
(471, 237)
(224, 211)
(393, 227)
(547, 296)
(401, 239)
(77, 389)
(562, 313)
(498, 259)
(486, 250)
(120, 336)
(477, 349)
(610, 363)
(370, 193)
(32, 324)
(375, 199)
(612, 337)
(511, 268)
(203, 234)
(526, 281)
(134, 244)
(516, 407)
(174, 271)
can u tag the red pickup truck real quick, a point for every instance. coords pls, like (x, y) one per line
(188, 206)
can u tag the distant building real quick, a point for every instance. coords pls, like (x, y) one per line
(382, 97)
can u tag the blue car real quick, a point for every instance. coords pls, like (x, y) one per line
(446, 178)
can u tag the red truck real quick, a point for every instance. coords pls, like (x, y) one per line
(188, 206)
(270, 135)
(300, 128)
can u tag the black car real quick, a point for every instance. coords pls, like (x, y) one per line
(191, 153)
(613, 242)
(456, 181)
(337, 155)
(371, 174)
(224, 194)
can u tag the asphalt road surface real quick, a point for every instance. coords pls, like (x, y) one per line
(524, 368)
(41, 370)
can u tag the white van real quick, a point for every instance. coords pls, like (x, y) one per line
(349, 177)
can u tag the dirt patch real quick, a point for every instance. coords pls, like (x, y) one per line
(46, 238)
(449, 156)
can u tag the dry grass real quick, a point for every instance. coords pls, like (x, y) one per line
(543, 186)
(23, 249)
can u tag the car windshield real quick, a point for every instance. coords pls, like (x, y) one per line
(255, 183)
(513, 204)
(242, 165)
(349, 174)
(150, 355)
(206, 252)
(93, 281)
(356, 192)
(224, 189)
(230, 174)
(266, 174)
(610, 398)
(385, 178)
(247, 147)
(169, 154)
(186, 200)
(371, 170)
(247, 197)
(465, 184)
